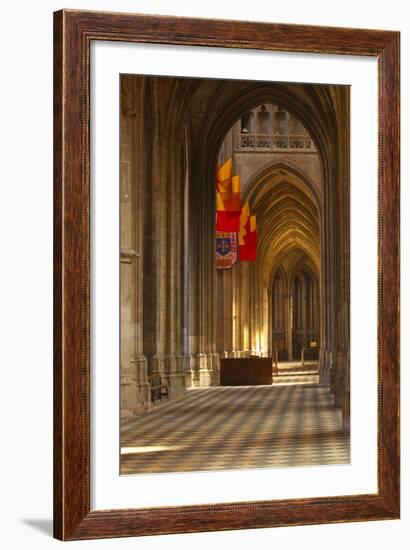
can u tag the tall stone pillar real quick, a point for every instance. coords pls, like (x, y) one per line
(289, 324)
(165, 213)
(335, 263)
(305, 299)
(203, 357)
(342, 366)
(134, 382)
(328, 282)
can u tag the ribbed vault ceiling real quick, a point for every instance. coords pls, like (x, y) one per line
(287, 221)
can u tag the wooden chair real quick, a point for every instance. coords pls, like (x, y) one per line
(158, 388)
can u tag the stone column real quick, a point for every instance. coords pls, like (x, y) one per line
(289, 323)
(203, 357)
(134, 383)
(328, 282)
(257, 310)
(225, 311)
(167, 221)
(304, 307)
(335, 262)
(265, 335)
(342, 368)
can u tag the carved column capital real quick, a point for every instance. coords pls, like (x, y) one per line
(128, 255)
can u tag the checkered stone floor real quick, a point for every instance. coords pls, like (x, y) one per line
(221, 428)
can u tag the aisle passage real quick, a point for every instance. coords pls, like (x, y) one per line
(221, 428)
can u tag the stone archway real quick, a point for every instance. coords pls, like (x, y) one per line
(190, 119)
(298, 324)
(287, 210)
(323, 113)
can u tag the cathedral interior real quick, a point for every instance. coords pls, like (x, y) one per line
(245, 366)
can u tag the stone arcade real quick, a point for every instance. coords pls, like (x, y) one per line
(179, 315)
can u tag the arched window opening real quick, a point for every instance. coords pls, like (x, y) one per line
(264, 127)
(279, 317)
(281, 129)
(278, 304)
(270, 127)
(247, 130)
(297, 304)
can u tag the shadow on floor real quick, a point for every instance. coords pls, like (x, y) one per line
(43, 525)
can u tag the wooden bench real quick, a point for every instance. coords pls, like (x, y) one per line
(158, 388)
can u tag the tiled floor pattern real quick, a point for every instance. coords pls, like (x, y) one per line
(222, 428)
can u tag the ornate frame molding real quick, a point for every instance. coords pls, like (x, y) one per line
(73, 33)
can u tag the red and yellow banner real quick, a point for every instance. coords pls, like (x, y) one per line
(248, 240)
(234, 224)
(228, 199)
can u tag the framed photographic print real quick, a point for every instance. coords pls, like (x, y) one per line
(226, 346)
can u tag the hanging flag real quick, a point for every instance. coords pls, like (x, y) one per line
(228, 199)
(226, 250)
(229, 194)
(244, 218)
(227, 221)
(248, 239)
(224, 172)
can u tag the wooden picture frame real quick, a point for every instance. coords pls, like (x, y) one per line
(74, 32)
